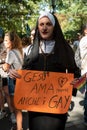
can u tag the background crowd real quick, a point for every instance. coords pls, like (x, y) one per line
(50, 51)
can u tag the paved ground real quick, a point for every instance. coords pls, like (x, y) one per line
(74, 122)
(76, 109)
(5, 123)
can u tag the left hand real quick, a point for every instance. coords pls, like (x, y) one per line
(74, 81)
(6, 67)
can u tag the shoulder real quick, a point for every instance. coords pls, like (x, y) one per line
(11, 53)
(15, 51)
(83, 41)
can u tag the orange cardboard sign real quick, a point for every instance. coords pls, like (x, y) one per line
(39, 91)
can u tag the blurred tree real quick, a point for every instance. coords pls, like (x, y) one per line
(72, 15)
(16, 14)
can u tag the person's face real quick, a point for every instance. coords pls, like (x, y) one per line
(85, 31)
(7, 42)
(45, 28)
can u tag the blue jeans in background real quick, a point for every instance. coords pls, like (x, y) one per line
(11, 85)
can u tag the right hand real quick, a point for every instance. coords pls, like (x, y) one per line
(14, 74)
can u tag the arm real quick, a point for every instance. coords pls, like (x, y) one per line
(14, 74)
(6, 67)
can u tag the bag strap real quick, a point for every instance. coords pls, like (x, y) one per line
(17, 56)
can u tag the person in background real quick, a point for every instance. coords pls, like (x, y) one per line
(83, 54)
(4, 93)
(49, 52)
(4, 96)
(2, 51)
(2, 59)
(26, 42)
(76, 42)
(14, 59)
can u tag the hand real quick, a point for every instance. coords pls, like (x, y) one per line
(74, 81)
(14, 74)
(5, 67)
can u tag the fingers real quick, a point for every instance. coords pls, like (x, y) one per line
(14, 74)
(74, 81)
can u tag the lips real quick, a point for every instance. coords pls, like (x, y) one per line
(45, 32)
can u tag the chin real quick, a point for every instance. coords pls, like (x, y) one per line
(46, 38)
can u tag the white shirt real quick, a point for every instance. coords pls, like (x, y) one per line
(46, 46)
(27, 49)
(13, 59)
(83, 52)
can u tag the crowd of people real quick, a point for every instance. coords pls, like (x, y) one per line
(12, 49)
(83, 67)
(45, 50)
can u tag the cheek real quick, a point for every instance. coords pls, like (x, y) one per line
(51, 31)
(7, 44)
(39, 29)
(85, 31)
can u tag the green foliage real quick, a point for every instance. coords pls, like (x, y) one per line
(74, 14)
(16, 14)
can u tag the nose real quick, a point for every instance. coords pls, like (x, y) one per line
(44, 27)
